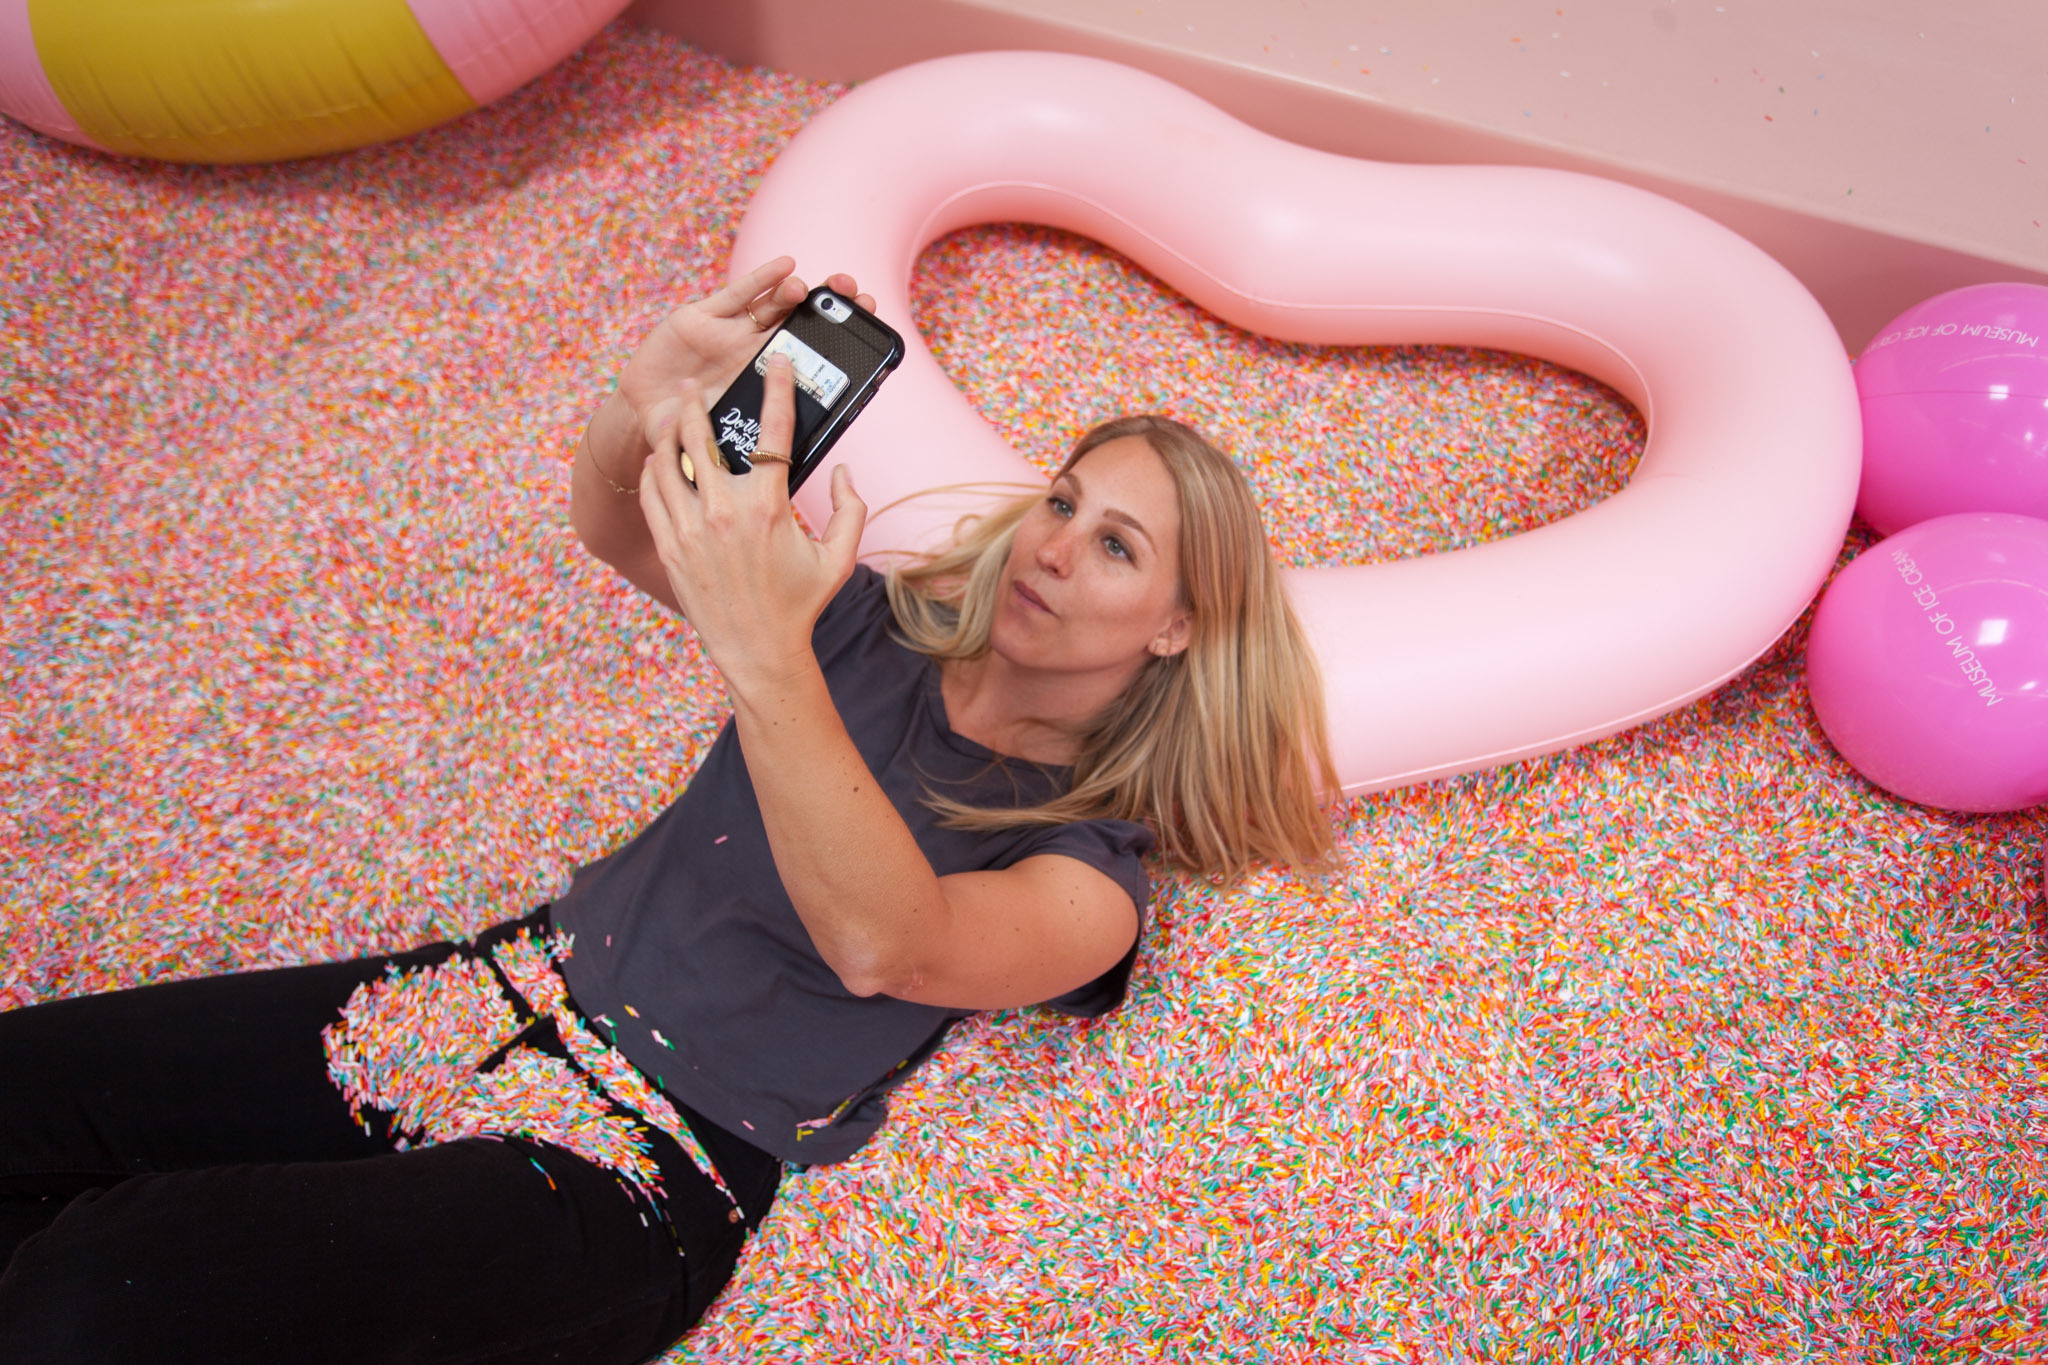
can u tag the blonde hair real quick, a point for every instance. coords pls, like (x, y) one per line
(1222, 749)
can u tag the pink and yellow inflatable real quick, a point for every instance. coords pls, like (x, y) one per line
(1436, 665)
(267, 80)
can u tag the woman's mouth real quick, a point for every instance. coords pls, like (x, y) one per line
(1031, 598)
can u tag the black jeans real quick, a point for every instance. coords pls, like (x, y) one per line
(180, 1181)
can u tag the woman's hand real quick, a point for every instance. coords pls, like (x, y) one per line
(709, 341)
(705, 343)
(742, 570)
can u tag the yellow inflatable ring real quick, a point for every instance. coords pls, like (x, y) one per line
(267, 80)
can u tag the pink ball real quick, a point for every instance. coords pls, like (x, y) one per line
(1955, 408)
(1928, 662)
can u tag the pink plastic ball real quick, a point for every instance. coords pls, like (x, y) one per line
(1955, 408)
(1928, 662)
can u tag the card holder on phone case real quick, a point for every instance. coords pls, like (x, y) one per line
(838, 365)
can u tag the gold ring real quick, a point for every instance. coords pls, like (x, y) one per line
(751, 318)
(761, 455)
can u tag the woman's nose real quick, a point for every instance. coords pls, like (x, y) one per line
(1056, 553)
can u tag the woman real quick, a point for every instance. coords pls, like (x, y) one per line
(934, 797)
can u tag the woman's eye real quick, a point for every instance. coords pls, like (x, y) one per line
(1061, 506)
(1116, 547)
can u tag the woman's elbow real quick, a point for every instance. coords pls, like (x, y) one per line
(876, 969)
(870, 976)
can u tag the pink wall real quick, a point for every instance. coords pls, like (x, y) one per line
(1882, 150)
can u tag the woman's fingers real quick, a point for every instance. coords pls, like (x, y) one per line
(661, 492)
(778, 428)
(699, 454)
(775, 302)
(771, 291)
(732, 300)
(843, 283)
(767, 310)
(674, 461)
(841, 540)
(778, 408)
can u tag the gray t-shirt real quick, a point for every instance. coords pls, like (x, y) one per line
(689, 955)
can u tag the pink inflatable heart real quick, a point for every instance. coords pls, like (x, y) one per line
(1446, 663)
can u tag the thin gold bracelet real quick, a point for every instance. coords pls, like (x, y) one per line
(615, 487)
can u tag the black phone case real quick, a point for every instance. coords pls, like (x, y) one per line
(864, 347)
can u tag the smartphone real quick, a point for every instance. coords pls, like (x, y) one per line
(839, 354)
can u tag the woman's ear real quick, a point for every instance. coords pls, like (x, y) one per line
(1177, 635)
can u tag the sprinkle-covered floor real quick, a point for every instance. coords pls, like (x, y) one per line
(1685, 1046)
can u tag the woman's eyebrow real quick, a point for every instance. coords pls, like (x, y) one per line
(1115, 514)
(1126, 519)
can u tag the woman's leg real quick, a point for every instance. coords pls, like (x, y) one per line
(167, 1078)
(474, 1251)
(185, 1183)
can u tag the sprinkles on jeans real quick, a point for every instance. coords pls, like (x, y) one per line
(419, 1046)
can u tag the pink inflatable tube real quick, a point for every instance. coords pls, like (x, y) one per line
(1434, 665)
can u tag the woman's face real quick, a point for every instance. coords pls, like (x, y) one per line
(1093, 580)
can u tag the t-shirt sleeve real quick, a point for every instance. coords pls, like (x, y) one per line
(851, 619)
(1117, 849)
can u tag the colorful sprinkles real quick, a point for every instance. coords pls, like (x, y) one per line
(1684, 1046)
(441, 1051)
